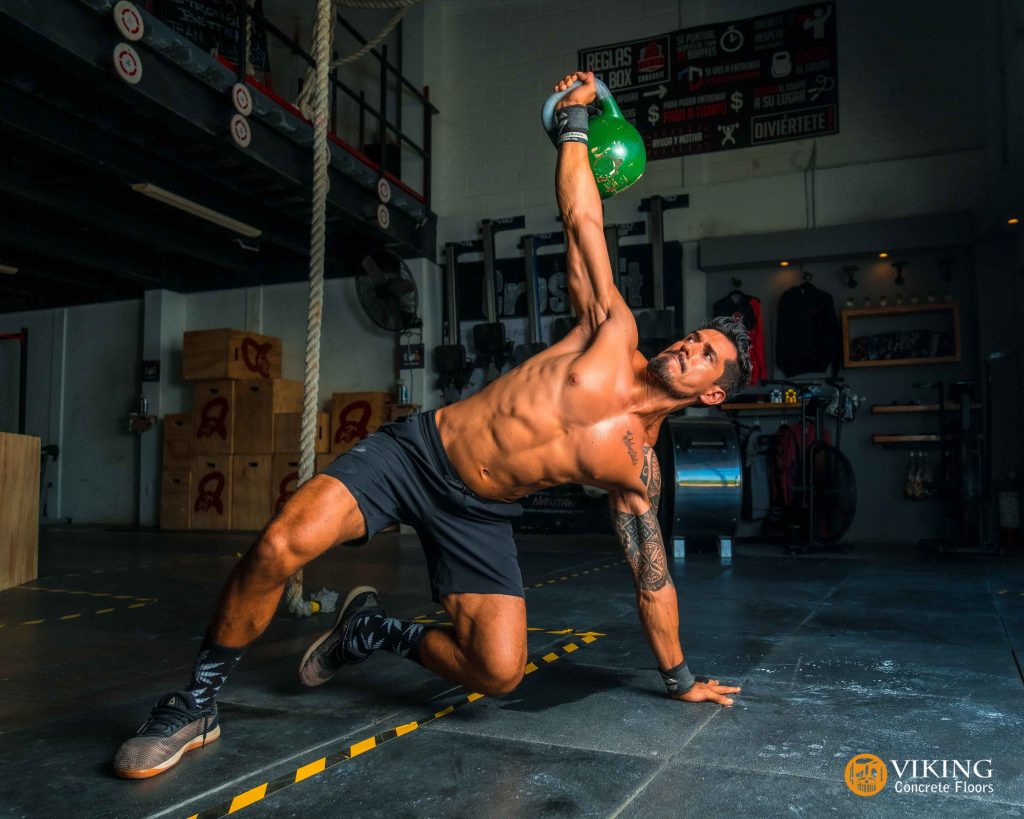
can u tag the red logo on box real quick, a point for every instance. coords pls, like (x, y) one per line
(213, 420)
(209, 498)
(256, 356)
(353, 430)
(286, 490)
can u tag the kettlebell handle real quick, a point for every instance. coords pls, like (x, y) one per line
(547, 114)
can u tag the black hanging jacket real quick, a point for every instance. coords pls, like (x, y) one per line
(807, 338)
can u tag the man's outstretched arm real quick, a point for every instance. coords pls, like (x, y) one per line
(635, 519)
(589, 274)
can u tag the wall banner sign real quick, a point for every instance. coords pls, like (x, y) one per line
(729, 85)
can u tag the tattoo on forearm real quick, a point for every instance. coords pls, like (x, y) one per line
(645, 552)
(627, 439)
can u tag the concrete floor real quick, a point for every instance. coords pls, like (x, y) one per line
(865, 653)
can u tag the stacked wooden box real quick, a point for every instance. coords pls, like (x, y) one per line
(234, 460)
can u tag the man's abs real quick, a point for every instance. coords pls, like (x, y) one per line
(550, 421)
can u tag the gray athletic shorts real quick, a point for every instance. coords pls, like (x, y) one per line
(401, 473)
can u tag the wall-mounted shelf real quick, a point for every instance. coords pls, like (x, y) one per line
(767, 406)
(894, 440)
(901, 408)
(872, 341)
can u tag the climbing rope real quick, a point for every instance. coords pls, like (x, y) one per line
(317, 243)
(305, 95)
(315, 104)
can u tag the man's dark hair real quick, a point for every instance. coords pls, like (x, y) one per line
(737, 373)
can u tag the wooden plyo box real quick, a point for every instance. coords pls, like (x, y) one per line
(213, 418)
(19, 509)
(210, 354)
(251, 491)
(210, 492)
(284, 480)
(354, 415)
(288, 432)
(175, 499)
(256, 404)
(178, 441)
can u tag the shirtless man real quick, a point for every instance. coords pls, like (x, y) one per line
(586, 410)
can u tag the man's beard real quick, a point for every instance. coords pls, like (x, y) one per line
(661, 369)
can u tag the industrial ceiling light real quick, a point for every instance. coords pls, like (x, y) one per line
(194, 208)
(883, 255)
(783, 263)
(7, 270)
(1013, 220)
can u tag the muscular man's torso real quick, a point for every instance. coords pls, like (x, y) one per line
(562, 416)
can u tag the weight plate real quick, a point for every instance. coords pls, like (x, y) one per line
(127, 63)
(128, 21)
(241, 133)
(241, 99)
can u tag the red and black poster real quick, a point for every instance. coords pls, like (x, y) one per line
(729, 85)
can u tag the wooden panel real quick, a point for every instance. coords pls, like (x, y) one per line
(250, 491)
(211, 492)
(213, 418)
(323, 460)
(354, 415)
(19, 509)
(288, 431)
(177, 444)
(175, 499)
(285, 478)
(256, 402)
(224, 353)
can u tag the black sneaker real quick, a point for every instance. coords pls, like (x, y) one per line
(174, 726)
(323, 659)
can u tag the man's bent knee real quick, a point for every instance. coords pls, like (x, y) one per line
(275, 553)
(500, 676)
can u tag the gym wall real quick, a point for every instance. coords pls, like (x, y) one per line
(911, 141)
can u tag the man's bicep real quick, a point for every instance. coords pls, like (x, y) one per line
(650, 475)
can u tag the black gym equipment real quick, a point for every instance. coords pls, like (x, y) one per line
(387, 291)
(964, 476)
(823, 484)
(529, 244)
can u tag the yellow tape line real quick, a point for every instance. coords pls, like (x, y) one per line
(77, 615)
(320, 765)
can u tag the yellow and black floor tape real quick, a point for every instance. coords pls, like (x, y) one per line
(136, 603)
(318, 766)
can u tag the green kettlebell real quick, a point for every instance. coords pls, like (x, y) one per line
(618, 157)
